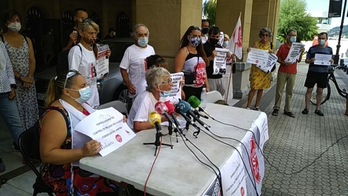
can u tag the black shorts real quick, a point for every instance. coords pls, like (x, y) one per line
(316, 78)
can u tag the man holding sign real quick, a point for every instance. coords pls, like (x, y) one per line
(217, 60)
(319, 58)
(289, 54)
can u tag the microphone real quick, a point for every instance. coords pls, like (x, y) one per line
(161, 108)
(181, 109)
(195, 103)
(186, 108)
(171, 113)
(155, 120)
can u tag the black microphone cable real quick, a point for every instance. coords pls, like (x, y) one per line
(218, 175)
(275, 167)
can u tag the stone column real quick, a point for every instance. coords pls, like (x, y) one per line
(167, 21)
(227, 14)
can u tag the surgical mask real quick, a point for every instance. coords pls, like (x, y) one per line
(205, 30)
(225, 44)
(293, 39)
(195, 41)
(213, 41)
(165, 93)
(321, 42)
(14, 26)
(85, 95)
(143, 41)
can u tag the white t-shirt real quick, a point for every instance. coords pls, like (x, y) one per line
(142, 106)
(84, 63)
(133, 61)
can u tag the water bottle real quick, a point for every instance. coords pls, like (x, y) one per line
(203, 98)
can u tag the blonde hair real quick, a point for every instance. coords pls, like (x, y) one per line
(86, 23)
(56, 86)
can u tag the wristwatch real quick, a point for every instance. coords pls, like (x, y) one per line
(14, 86)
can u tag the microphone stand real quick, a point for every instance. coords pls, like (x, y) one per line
(157, 142)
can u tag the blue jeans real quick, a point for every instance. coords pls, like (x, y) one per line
(9, 113)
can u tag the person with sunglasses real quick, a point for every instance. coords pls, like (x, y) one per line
(83, 57)
(259, 80)
(68, 92)
(158, 81)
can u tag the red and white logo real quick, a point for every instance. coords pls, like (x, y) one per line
(118, 138)
(254, 161)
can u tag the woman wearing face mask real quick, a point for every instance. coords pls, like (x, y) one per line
(286, 75)
(191, 59)
(82, 57)
(21, 53)
(260, 80)
(158, 81)
(68, 92)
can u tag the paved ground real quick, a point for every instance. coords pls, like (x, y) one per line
(308, 154)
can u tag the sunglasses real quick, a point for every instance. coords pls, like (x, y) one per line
(169, 81)
(69, 75)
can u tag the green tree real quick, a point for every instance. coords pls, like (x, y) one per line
(209, 10)
(293, 16)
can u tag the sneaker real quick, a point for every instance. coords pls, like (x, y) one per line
(318, 112)
(305, 111)
(2, 166)
(275, 112)
(292, 115)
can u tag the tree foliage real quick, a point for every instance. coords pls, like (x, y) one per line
(293, 16)
(209, 10)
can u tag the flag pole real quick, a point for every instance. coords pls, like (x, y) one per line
(231, 71)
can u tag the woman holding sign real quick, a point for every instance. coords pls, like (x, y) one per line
(259, 80)
(68, 92)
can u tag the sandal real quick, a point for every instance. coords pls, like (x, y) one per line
(256, 108)
(318, 112)
(305, 111)
(289, 114)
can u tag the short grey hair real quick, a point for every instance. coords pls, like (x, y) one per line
(136, 27)
(154, 77)
(265, 30)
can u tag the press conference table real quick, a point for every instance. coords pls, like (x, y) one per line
(177, 171)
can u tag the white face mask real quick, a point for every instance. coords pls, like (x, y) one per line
(14, 26)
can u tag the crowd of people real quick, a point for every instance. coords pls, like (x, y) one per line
(75, 92)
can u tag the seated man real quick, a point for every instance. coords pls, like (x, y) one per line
(158, 81)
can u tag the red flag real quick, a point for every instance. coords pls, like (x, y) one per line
(236, 42)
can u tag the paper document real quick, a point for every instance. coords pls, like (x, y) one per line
(323, 59)
(219, 66)
(262, 59)
(102, 67)
(175, 94)
(294, 53)
(106, 126)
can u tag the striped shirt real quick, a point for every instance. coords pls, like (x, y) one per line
(6, 71)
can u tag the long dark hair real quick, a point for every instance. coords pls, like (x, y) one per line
(185, 42)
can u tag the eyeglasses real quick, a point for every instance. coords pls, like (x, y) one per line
(266, 35)
(169, 81)
(69, 75)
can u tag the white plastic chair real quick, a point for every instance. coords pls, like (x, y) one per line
(117, 104)
(213, 96)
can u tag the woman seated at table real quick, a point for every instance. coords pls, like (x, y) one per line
(68, 92)
(158, 81)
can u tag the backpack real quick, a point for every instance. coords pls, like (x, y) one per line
(63, 62)
(34, 151)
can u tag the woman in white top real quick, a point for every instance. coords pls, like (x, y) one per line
(82, 57)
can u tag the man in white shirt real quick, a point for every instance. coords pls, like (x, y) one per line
(132, 64)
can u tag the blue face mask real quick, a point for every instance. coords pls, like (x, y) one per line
(293, 39)
(143, 41)
(195, 41)
(321, 42)
(85, 95)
